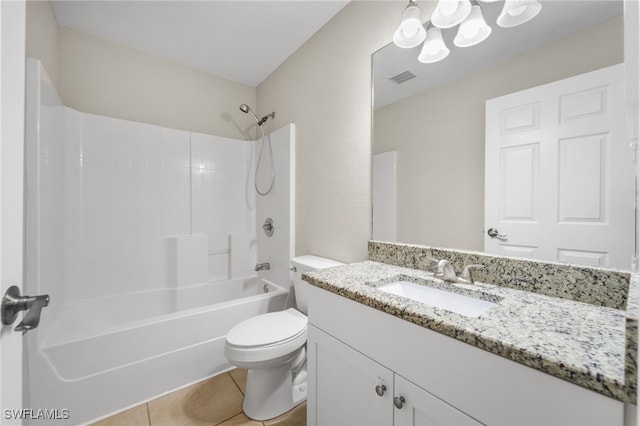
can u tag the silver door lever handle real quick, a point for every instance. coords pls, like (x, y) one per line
(493, 233)
(13, 302)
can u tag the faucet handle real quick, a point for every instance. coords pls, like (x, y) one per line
(438, 272)
(465, 276)
(445, 271)
(434, 260)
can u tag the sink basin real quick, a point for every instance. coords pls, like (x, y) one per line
(458, 303)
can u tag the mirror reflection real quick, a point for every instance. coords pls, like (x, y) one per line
(515, 146)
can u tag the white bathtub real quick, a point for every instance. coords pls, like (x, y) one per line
(126, 349)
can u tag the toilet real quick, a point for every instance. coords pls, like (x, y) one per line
(272, 347)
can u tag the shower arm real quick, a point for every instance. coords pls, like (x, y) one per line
(266, 117)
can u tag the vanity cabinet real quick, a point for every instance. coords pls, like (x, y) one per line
(352, 389)
(353, 348)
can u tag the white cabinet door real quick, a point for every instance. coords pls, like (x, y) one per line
(419, 408)
(342, 385)
(559, 172)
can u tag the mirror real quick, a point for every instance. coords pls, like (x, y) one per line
(433, 125)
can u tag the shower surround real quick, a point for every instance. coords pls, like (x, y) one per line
(145, 239)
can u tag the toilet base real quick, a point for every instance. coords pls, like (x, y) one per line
(271, 392)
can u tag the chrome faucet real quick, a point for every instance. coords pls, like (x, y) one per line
(262, 266)
(446, 272)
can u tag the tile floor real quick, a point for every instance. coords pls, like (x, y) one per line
(216, 401)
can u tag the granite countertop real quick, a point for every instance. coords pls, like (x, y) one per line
(579, 342)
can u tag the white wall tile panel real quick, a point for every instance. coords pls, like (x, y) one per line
(191, 260)
(73, 207)
(221, 201)
(241, 260)
(218, 267)
(121, 177)
(176, 182)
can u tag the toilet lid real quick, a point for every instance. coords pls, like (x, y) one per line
(268, 329)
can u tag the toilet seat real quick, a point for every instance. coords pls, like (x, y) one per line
(267, 337)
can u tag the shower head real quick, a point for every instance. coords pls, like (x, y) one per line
(245, 108)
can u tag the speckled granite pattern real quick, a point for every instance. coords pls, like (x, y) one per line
(596, 286)
(632, 315)
(578, 342)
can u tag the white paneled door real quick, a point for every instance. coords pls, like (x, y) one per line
(559, 172)
(12, 68)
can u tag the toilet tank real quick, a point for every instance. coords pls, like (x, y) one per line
(308, 263)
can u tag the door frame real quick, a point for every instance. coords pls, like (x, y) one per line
(12, 116)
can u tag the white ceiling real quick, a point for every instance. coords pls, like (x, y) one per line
(557, 19)
(243, 41)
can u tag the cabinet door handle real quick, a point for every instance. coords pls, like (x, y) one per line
(398, 401)
(380, 389)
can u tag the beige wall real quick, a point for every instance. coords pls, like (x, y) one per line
(325, 88)
(439, 135)
(42, 36)
(98, 77)
(104, 78)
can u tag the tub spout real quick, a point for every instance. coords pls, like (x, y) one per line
(262, 266)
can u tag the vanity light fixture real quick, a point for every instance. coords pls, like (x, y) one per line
(516, 12)
(434, 49)
(450, 13)
(410, 33)
(472, 30)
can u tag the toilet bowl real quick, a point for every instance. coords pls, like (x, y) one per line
(272, 347)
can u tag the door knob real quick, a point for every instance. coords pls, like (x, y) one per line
(380, 389)
(399, 401)
(494, 233)
(13, 302)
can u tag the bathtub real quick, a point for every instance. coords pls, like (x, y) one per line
(130, 348)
